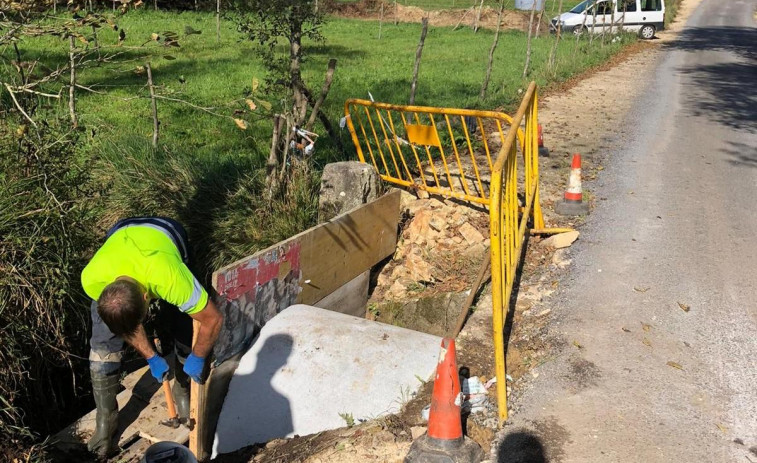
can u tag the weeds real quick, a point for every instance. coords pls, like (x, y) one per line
(45, 233)
(219, 201)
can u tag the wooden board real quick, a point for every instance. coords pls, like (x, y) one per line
(141, 406)
(303, 269)
(197, 409)
(328, 255)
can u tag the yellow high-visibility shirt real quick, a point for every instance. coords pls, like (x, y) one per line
(150, 257)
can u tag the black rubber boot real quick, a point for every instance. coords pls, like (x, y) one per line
(181, 391)
(104, 389)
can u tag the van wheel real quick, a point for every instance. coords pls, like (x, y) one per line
(647, 32)
(578, 30)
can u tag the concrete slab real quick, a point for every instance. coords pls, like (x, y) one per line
(310, 365)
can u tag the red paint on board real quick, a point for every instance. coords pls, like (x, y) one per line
(248, 275)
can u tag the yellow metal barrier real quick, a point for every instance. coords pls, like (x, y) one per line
(394, 135)
(443, 151)
(508, 222)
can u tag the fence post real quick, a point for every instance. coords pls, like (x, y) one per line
(72, 83)
(418, 53)
(154, 104)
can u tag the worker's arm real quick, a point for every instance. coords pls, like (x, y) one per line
(140, 342)
(210, 325)
(158, 365)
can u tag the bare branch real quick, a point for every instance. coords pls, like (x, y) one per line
(13, 96)
(89, 89)
(324, 93)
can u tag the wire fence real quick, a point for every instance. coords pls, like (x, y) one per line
(550, 6)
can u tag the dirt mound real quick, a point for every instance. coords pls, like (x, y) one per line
(371, 10)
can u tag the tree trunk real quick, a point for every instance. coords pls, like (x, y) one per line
(418, 54)
(396, 13)
(324, 93)
(271, 181)
(333, 134)
(290, 128)
(528, 47)
(72, 83)
(295, 74)
(154, 104)
(485, 85)
(558, 33)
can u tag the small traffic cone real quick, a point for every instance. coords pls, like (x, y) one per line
(444, 440)
(543, 151)
(572, 203)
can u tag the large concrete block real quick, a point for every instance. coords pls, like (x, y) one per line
(310, 365)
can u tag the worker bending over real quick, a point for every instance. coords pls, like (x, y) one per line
(144, 259)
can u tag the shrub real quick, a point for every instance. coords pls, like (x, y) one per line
(45, 234)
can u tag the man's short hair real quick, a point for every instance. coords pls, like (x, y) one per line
(122, 307)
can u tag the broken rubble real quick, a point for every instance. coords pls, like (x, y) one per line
(561, 240)
(417, 431)
(418, 228)
(417, 268)
(471, 235)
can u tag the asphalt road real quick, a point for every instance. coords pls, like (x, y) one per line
(675, 228)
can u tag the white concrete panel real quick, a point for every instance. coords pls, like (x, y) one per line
(309, 365)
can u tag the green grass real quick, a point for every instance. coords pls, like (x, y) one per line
(207, 172)
(551, 5)
(218, 75)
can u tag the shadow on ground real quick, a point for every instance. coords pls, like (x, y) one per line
(720, 90)
(521, 447)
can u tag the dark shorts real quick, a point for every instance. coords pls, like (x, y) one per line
(165, 321)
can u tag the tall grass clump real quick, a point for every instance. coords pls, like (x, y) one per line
(45, 234)
(671, 11)
(219, 201)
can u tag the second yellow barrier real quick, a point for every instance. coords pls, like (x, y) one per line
(443, 151)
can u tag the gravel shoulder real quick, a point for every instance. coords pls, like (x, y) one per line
(653, 318)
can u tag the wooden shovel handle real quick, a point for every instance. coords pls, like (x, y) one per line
(169, 400)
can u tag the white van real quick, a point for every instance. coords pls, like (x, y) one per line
(642, 16)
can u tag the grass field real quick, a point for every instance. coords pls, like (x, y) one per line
(218, 75)
(551, 5)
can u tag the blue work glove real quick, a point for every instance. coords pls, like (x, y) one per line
(193, 367)
(158, 367)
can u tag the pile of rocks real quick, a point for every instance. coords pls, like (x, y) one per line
(441, 245)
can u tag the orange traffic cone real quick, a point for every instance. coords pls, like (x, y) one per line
(573, 204)
(444, 440)
(543, 151)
